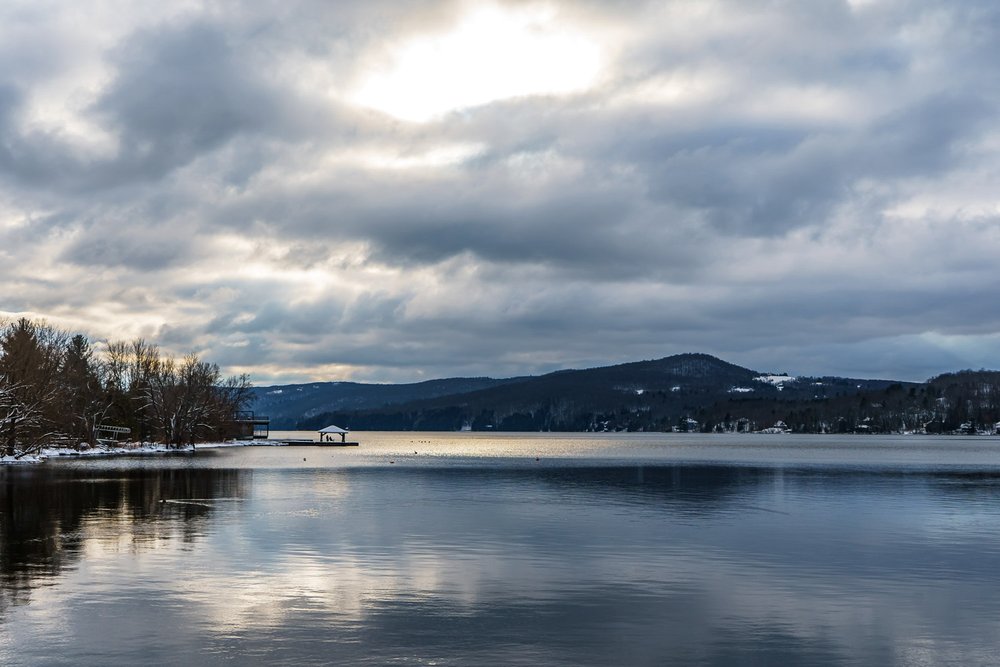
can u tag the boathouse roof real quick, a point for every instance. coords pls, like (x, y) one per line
(333, 429)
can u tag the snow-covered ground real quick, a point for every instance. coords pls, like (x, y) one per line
(776, 380)
(124, 449)
(132, 449)
(10, 460)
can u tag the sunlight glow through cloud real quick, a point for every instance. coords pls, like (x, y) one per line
(491, 55)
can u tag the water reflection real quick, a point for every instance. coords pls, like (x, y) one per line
(49, 514)
(560, 563)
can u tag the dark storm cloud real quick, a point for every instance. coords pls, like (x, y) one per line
(179, 93)
(764, 181)
(576, 229)
(119, 248)
(10, 100)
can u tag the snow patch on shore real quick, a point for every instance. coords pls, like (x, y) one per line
(133, 449)
(123, 449)
(13, 460)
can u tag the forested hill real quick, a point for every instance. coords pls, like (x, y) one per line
(682, 392)
(287, 405)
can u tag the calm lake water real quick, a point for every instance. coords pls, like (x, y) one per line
(521, 549)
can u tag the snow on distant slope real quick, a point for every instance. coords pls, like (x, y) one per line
(778, 381)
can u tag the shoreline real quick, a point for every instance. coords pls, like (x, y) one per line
(138, 449)
(148, 448)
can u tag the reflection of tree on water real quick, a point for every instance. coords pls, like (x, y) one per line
(694, 489)
(48, 513)
(703, 489)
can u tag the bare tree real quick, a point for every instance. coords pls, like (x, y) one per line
(233, 396)
(53, 388)
(128, 369)
(189, 401)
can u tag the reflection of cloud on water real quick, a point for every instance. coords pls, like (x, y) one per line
(318, 484)
(56, 517)
(684, 614)
(346, 589)
(705, 605)
(262, 599)
(440, 604)
(603, 565)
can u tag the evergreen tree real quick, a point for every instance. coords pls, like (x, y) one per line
(30, 360)
(81, 390)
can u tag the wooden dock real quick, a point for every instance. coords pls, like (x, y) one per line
(302, 442)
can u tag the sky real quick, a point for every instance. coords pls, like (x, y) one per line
(389, 191)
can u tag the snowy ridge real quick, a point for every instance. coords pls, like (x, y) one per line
(778, 381)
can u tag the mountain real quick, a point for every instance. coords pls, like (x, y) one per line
(681, 392)
(289, 404)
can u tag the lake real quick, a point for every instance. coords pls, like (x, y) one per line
(510, 549)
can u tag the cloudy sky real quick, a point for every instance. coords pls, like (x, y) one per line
(395, 191)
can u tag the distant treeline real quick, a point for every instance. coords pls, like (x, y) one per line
(962, 402)
(56, 388)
